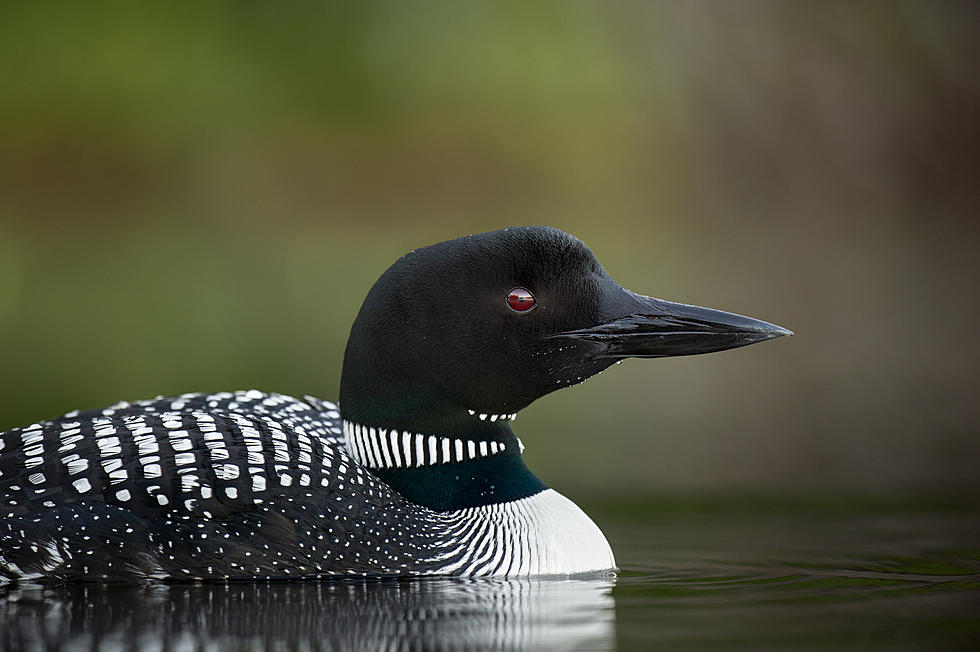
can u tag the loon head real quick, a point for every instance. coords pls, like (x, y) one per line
(455, 338)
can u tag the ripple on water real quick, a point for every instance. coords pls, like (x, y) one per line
(785, 580)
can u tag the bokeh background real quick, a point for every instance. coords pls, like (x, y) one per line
(197, 196)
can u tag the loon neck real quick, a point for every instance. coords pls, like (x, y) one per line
(480, 467)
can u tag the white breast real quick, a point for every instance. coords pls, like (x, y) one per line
(544, 534)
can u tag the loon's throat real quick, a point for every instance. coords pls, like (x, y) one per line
(444, 473)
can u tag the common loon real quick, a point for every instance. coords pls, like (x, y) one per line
(418, 472)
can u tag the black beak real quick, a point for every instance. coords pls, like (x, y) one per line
(655, 328)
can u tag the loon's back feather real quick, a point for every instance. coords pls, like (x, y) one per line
(218, 486)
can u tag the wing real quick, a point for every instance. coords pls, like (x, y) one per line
(217, 486)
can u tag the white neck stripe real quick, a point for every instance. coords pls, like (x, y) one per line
(492, 417)
(380, 448)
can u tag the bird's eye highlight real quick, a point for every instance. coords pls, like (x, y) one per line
(521, 300)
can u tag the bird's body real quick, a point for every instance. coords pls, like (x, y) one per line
(244, 485)
(422, 475)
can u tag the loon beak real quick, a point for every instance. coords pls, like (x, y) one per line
(657, 329)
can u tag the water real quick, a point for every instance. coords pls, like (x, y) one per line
(821, 578)
(708, 576)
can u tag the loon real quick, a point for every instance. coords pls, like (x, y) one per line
(418, 472)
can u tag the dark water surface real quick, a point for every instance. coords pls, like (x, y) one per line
(694, 577)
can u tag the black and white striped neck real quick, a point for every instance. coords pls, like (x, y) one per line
(446, 473)
(388, 448)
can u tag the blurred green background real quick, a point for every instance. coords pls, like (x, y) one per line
(197, 196)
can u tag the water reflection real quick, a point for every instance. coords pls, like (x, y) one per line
(439, 614)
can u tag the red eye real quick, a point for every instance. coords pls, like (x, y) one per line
(521, 300)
